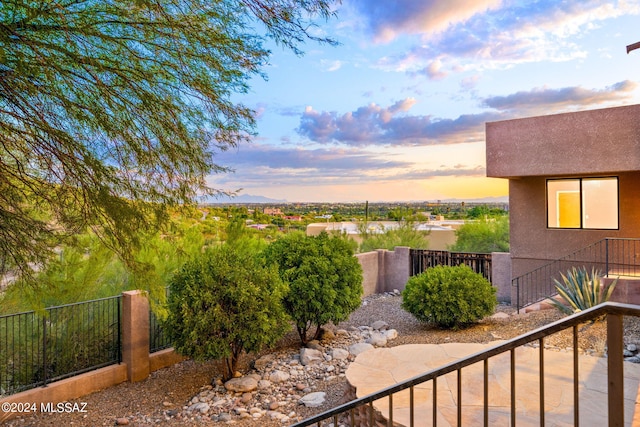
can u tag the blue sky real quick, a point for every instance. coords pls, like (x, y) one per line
(397, 111)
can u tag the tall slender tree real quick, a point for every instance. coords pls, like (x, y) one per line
(111, 110)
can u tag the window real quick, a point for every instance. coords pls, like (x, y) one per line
(582, 203)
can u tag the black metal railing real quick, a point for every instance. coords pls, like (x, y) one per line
(421, 259)
(610, 256)
(363, 411)
(58, 342)
(158, 337)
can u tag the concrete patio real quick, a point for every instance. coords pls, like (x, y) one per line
(381, 367)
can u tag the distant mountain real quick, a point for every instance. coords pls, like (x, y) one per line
(243, 198)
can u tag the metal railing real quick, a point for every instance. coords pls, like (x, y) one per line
(610, 256)
(158, 337)
(361, 412)
(58, 342)
(421, 259)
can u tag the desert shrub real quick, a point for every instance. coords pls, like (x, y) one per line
(449, 296)
(324, 279)
(223, 303)
(580, 290)
(484, 236)
(406, 234)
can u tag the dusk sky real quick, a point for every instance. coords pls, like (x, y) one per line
(397, 112)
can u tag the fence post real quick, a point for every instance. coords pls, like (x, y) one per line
(44, 349)
(135, 334)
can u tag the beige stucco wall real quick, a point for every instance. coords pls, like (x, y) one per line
(369, 263)
(587, 142)
(383, 270)
(501, 275)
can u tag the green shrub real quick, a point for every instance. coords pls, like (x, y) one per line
(449, 296)
(484, 236)
(223, 303)
(581, 290)
(324, 279)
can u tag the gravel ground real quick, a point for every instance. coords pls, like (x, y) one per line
(159, 400)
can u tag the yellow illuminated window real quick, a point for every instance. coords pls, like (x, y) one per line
(582, 203)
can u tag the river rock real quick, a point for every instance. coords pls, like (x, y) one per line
(310, 355)
(241, 385)
(279, 376)
(377, 339)
(379, 325)
(339, 354)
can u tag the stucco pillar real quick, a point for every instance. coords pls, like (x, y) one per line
(501, 276)
(135, 334)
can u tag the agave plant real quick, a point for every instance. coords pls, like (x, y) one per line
(581, 290)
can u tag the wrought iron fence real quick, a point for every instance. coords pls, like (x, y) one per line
(58, 342)
(158, 339)
(610, 256)
(421, 259)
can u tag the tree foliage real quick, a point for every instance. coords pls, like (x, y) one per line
(112, 109)
(484, 236)
(405, 234)
(324, 279)
(223, 303)
(84, 269)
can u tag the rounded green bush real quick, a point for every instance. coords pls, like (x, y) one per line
(225, 302)
(449, 296)
(324, 279)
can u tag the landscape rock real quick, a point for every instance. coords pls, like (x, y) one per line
(264, 384)
(122, 421)
(500, 316)
(379, 325)
(339, 354)
(201, 407)
(241, 385)
(261, 363)
(391, 334)
(377, 339)
(360, 347)
(313, 400)
(279, 376)
(315, 345)
(310, 355)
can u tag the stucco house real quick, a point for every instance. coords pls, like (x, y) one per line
(574, 180)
